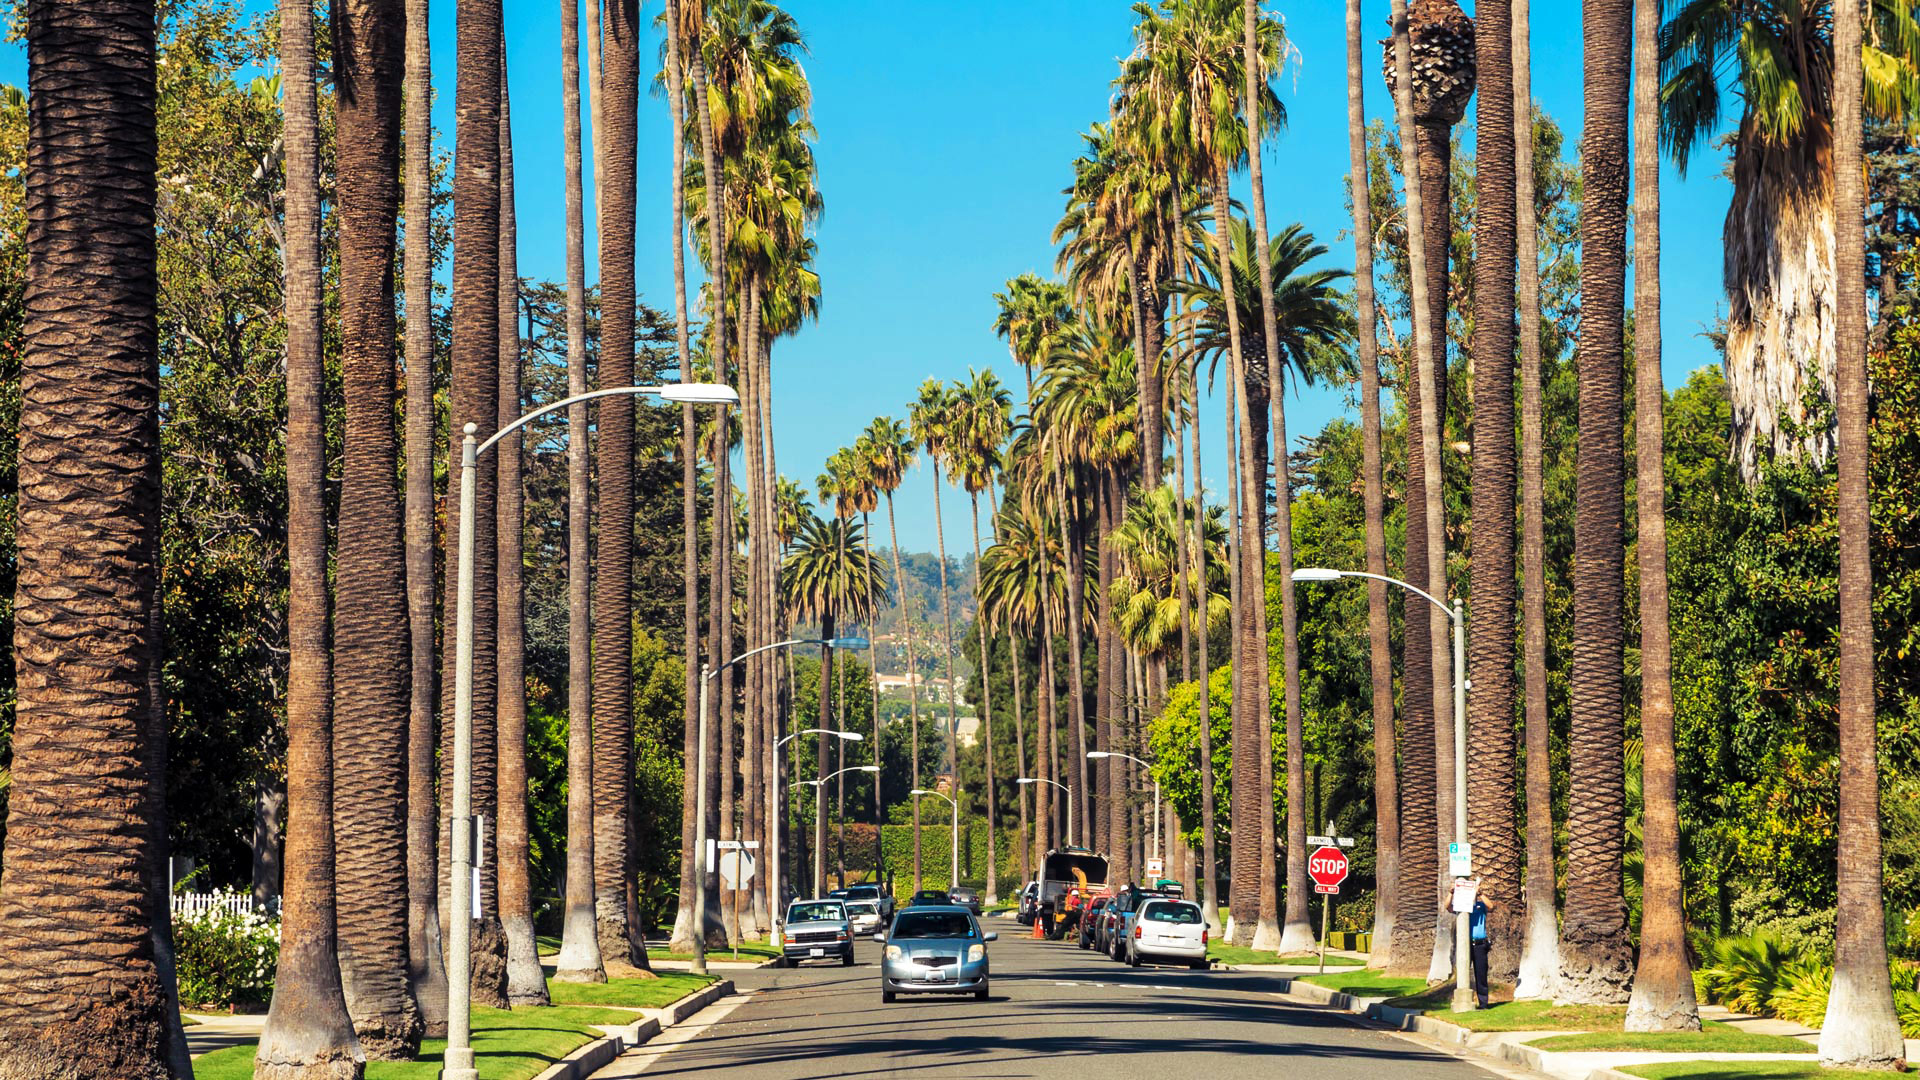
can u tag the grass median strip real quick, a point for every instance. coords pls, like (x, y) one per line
(507, 1045)
(749, 950)
(1362, 983)
(630, 993)
(1744, 1070)
(1713, 1038)
(1237, 954)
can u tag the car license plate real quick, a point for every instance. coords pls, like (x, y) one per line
(936, 975)
(816, 952)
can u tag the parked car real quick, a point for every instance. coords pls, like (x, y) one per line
(967, 897)
(1090, 921)
(864, 915)
(1126, 904)
(929, 898)
(934, 950)
(1103, 930)
(818, 930)
(1029, 909)
(1168, 931)
(880, 897)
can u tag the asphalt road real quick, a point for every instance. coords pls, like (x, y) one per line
(1056, 1013)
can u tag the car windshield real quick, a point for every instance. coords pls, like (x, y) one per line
(933, 924)
(863, 892)
(860, 908)
(819, 911)
(1172, 913)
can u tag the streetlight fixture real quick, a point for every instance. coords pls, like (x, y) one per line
(819, 787)
(459, 1053)
(1099, 755)
(1463, 997)
(707, 674)
(1068, 788)
(954, 878)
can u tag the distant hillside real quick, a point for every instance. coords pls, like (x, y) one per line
(921, 597)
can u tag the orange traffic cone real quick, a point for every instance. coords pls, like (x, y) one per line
(1039, 930)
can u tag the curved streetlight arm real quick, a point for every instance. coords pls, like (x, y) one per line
(1429, 597)
(1098, 754)
(1040, 780)
(611, 391)
(765, 648)
(850, 736)
(930, 791)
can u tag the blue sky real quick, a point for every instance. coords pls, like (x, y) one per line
(946, 133)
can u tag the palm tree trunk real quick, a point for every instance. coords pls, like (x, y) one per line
(873, 682)
(681, 939)
(820, 767)
(426, 967)
(913, 685)
(613, 585)
(1076, 651)
(1662, 998)
(1386, 782)
(1540, 956)
(1183, 566)
(1209, 848)
(370, 631)
(1109, 832)
(1419, 852)
(719, 641)
(1016, 646)
(1596, 955)
(1861, 1028)
(986, 708)
(579, 959)
(1490, 746)
(308, 1031)
(526, 983)
(1050, 833)
(946, 618)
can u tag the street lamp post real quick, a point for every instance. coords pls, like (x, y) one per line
(1100, 754)
(1068, 788)
(778, 813)
(954, 878)
(1463, 995)
(819, 787)
(699, 965)
(459, 1052)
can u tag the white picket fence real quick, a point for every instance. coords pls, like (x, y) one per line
(194, 904)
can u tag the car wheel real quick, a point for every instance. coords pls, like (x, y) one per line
(1133, 958)
(847, 960)
(1199, 965)
(887, 997)
(980, 994)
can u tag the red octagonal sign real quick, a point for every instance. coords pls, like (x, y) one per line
(1327, 867)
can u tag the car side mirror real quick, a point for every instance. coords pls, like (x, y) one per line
(990, 936)
(880, 936)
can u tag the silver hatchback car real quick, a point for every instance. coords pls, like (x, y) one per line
(934, 950)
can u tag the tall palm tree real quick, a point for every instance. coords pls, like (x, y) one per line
(1662, 997)
(1780, 269)
(1861, 1029)
(1596, 954)
(931, 421)
(1490, 742)
(308, 1029)
(1427, 700)
(526, 983)
(1540, 955)
(426, 966)
(891, 448)
(579, 959)
(1180, 103)
(1386, 781)
(84, 840)
(614, 900)
(370, 630)
(985, 415)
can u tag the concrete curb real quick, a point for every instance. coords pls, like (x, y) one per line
(599, 1053)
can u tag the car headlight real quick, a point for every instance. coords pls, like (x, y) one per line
(976, 953)
(894, 953)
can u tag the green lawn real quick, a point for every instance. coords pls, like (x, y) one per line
(1237, 954)
(545, 945)
(635, 993)
(1713, 1038)
(1363, 983)
(514, 1045)
(1742, 1070)
(749, 950)
(1532, 1016)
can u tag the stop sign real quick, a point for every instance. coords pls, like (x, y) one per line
(1327, 867)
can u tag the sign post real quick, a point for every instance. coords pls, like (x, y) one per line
(1328, 867)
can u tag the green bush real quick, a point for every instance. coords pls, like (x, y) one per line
(1802, 994)
(1743, 973)
(225, 958)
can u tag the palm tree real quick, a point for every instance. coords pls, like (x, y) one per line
(307, 1028)
(1861, 1028)
(1386, 784)
(1780, 274)
(931, 421)
(426, 967)
(1662, 997)
(614, 900)
(1179, 102)
(1490, 743)
(1540, 956)
(890, 447)
(526, 983)
(579, 959)
(984, 411)
(1428, 699)
(1596, 954)
(828, 576)
(370, 627)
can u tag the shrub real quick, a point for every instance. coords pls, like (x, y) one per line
(1743, 973)
(224, 957)
(1802, 994)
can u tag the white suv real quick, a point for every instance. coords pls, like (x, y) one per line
(1168, 931)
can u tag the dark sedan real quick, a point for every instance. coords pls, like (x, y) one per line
(929, 898)
(967, 897)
